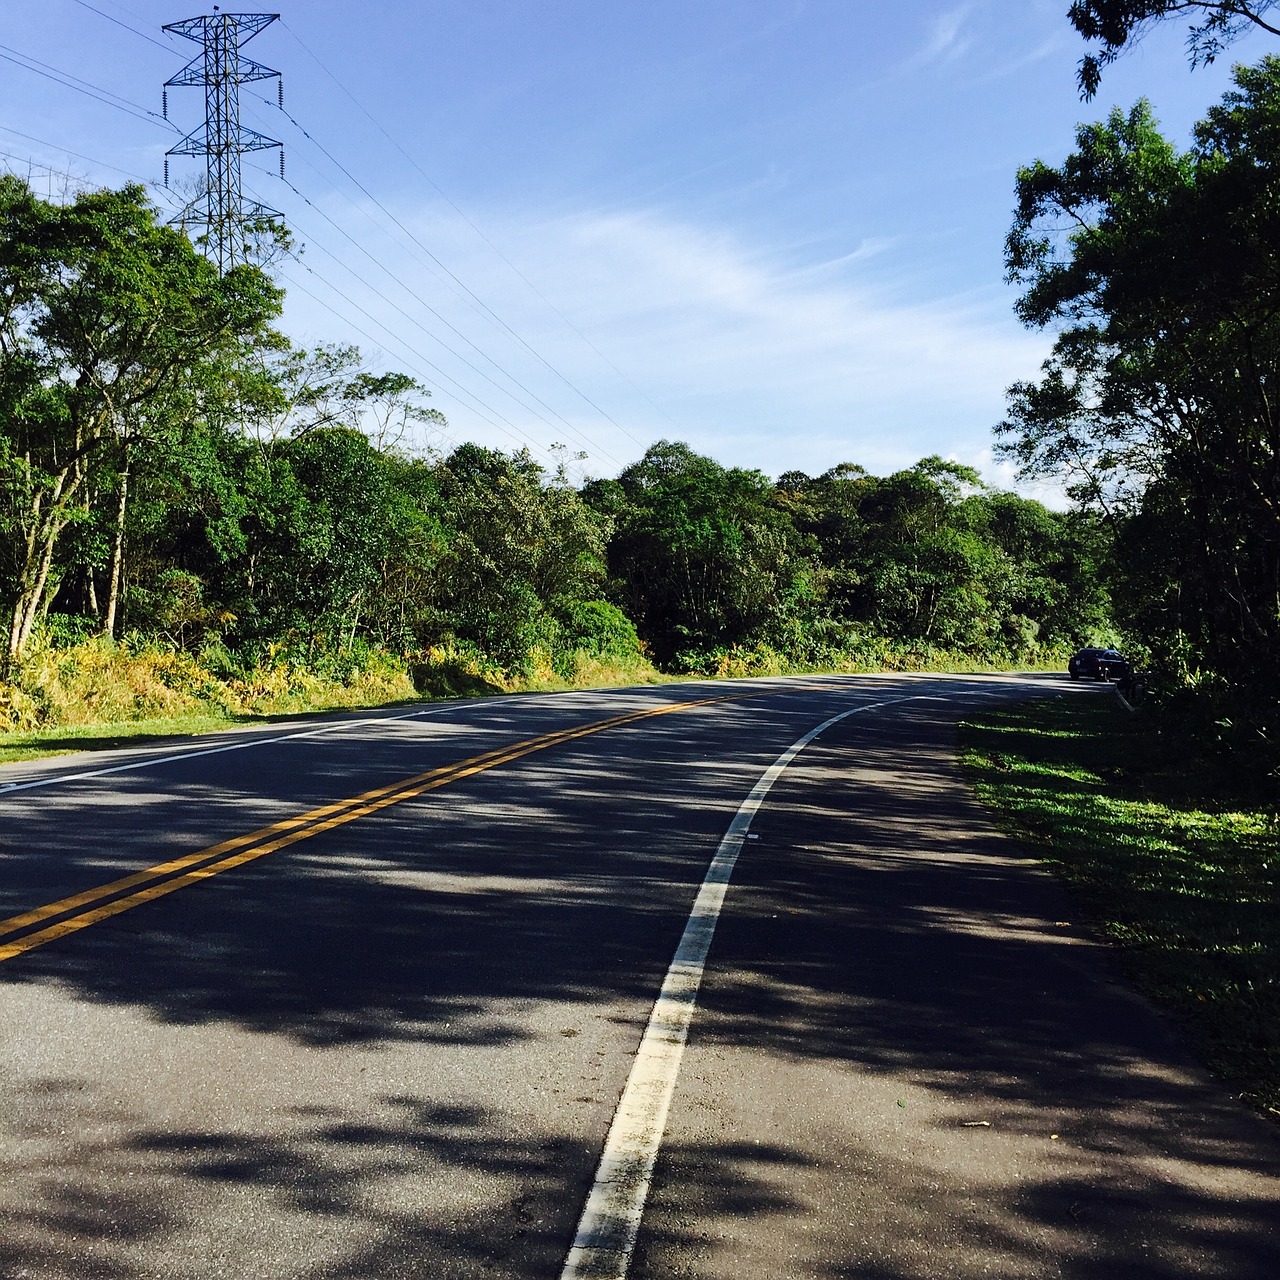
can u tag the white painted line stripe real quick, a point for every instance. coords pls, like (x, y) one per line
(8, 789)
(610, 1222)
(11, 788)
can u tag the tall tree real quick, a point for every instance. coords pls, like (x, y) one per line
(331, 385)
(1158, 404)
(930, 554)
(522, 551)
(104, 314)
(703, 555)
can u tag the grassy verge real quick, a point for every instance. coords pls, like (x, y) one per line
(98, 695)
(1173, 855)
(862, 656)
(34, 744)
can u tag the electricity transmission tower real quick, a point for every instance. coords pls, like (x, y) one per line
(220, 68)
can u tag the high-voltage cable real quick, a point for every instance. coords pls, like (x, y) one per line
(579, 435)
(88, 88)
(475, 298)
(416, 361)
(84, 4)
(580, 438)
(221, 71)
(44, 142)
(498, 252)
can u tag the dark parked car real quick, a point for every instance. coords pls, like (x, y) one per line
(1098, 664)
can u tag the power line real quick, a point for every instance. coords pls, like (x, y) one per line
(415, 356)
(460, 289)
(509, 429)
(503, 423)
(44, 142)
(94, 91)
(35, 166)
(364, 333)
(93, 9)
(313, 243)
(581, 439)
(39, 166)
(577, 435)
(498, 252)
(68, 81)
(443, 267)
(222, 70)
(230, 75)
(407, 245)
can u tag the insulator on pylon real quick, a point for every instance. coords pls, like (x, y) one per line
(221, 209)
(164, 98)
(166, 171)
(282, 162)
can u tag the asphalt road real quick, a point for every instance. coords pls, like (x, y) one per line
(374, 1014)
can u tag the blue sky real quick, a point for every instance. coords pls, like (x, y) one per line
(771, 229)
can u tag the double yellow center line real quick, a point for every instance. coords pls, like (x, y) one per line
(31, 929)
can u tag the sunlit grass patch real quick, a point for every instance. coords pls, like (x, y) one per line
(34, 744)
(1173, 854)
(98, 694)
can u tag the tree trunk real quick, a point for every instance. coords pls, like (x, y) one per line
(47, 514)
(13, 650)
(117, 552)
(27, 607)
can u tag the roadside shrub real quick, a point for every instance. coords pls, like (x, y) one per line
(99, 681)
(600, 629)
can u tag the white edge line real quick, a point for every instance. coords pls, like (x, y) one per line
(610, 1222)
(12, 788)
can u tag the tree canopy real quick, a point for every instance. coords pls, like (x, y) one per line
(1118, 24)
(1159, 269)
(111, 325)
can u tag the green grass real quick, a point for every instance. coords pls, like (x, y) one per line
(33, 744)
(100, 694)
(1171, 852)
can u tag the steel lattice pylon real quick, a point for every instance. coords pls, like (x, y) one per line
(221, 139)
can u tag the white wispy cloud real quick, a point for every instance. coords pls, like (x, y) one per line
(756, 360)
(1015, 62)
(945, 40)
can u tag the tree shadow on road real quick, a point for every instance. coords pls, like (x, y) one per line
(879, 939)
(408, 1188)
(996, 1100)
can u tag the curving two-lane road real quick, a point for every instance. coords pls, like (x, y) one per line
(360, 998)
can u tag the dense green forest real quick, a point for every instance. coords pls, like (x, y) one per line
(174, 473)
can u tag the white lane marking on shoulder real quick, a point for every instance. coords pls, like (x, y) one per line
(610, 1222)
(12, 788)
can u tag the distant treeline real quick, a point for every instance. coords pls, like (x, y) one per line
(173, 470)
